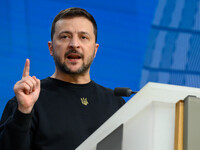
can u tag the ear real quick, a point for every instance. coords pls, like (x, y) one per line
(96, 48)
(50, 46)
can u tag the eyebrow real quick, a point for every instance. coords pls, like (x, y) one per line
(64, 32)
(82, 32)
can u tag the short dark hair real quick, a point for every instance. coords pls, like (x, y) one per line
(74, 12)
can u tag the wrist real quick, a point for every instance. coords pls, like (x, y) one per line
(25, 110)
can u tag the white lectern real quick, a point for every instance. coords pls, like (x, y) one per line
(145, 122)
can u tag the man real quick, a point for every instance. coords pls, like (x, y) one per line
(64, 109)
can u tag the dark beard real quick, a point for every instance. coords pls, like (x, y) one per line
(63, 67)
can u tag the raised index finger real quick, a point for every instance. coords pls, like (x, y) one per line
(26, 68)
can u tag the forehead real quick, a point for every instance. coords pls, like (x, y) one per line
(75, 24)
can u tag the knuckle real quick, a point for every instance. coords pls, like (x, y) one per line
(16, 86)
(25, 86)
(24, 78)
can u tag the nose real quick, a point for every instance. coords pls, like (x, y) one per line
(74, 43)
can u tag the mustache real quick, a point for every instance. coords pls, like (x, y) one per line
(73, 51)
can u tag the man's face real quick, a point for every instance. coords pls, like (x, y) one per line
(73, 46)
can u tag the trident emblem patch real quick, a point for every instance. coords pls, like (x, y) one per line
(84, 101)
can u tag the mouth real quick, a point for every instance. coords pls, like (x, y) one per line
(74, 56)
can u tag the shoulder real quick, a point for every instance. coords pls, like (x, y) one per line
(103, 89)
(48, 85)
(108, 94)
(46, 82)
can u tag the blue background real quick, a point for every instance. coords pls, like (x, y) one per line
(140, 41)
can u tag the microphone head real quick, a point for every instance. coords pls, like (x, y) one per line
(122, 91)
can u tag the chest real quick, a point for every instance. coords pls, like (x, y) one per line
(64, 119)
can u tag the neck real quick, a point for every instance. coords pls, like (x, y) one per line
(72, 78)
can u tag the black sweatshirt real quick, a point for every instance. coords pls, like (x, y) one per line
(63, 117)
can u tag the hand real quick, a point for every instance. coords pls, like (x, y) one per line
(27, 90)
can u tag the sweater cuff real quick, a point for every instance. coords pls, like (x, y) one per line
(21, 120)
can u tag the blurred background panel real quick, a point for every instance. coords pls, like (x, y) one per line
(140, 41)
(173, 51)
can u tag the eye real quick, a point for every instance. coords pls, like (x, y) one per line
(84, 37)
(64, 37)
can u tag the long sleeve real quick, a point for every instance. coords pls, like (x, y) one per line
(14, 128)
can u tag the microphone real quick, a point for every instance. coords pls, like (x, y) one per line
(123, 91)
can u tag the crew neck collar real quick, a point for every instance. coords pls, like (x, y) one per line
(64, 83)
